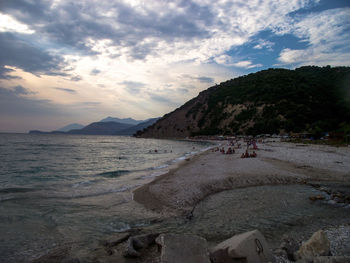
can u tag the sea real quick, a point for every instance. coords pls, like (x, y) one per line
(61, 189)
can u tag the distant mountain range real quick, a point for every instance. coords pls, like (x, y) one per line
(126, 120)
(107, 126)
(102, 128)
(73, 126)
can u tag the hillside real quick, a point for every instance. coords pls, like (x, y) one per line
(310, 98)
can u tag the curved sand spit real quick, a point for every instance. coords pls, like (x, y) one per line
(211, 172)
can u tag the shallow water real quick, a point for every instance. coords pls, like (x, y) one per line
(274, 210)
(56, 189)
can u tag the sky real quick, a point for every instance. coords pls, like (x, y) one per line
(70, 61)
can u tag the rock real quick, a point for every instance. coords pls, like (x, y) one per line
(144, 241)
(316, 197)
(176, 248)
(136, 243)
(130, 251)
(249, 247)
(326, 190)
(317, 245)
(280, 253)
(116, 239)
(57, 255)
(290, 246)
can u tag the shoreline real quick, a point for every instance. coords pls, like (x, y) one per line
(208, 173)
(216, 196)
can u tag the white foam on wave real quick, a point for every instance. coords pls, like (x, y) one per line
(161, 167)
(155, 174)
(6, 198)
(84, 183)
(179, 159)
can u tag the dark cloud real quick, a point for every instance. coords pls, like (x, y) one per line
(71, 23)
(202, 79)
(66, 90)
(4, 73)
(76, 78)
(205, 79)
(163, 99)
(19, 90)
(133, 86)
(183, 90)
(140, 52)
(95, 72)
(17, 52)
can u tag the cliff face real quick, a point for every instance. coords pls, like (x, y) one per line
(271, 101)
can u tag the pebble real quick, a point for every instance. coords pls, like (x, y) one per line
(339, 238)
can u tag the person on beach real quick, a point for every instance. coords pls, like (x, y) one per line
(229, 151)
(253, 155)
(245, 155)
(255, 147)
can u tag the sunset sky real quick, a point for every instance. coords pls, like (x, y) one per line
(65, 61)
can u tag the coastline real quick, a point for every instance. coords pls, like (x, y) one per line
(212, 172)
(216, 196)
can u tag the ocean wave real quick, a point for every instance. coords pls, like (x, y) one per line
(7, 198)
(104, 192)
(160, 167)
(114, 174)
(16, 190)
(85, 183)
(118, 227)
(155, 174)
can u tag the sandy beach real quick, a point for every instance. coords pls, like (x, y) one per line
(211, 172)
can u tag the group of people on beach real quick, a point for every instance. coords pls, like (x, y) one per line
(247, 155)
(222, 150)
(156, 151)
(236, 143)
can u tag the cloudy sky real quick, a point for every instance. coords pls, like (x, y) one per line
(65, 61)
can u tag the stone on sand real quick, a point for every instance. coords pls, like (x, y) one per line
(249, 247)
(135, 243)
(317, 245)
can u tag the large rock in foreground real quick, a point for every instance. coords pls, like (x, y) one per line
(317, 245)
(249, 247)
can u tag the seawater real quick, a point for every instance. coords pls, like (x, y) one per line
(56, 189)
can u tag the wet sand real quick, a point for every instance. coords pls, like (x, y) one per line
(208, 173)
